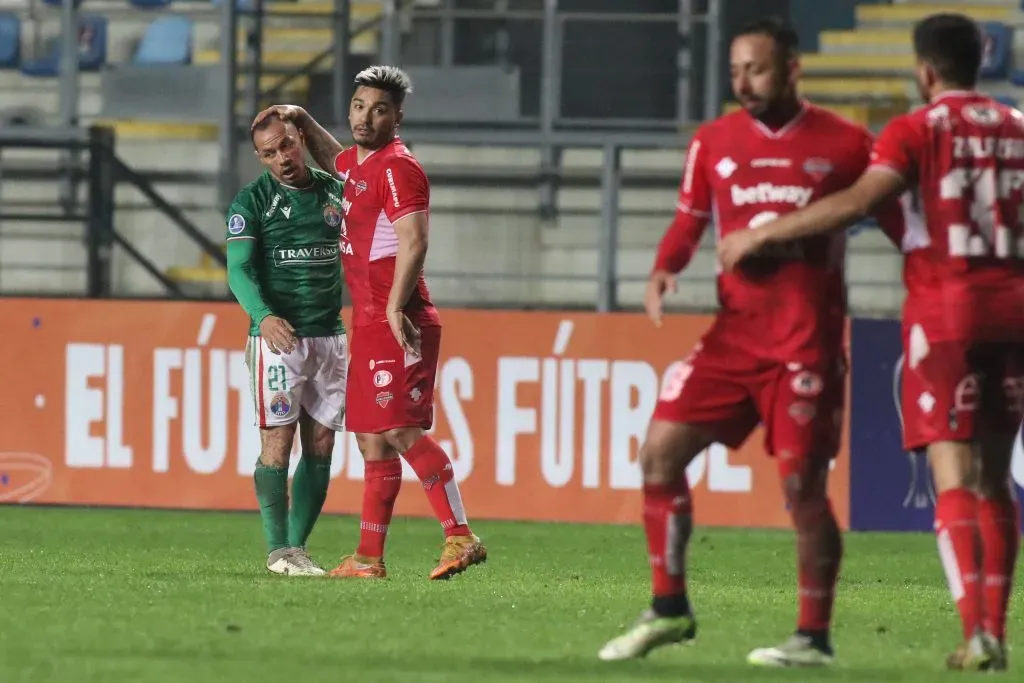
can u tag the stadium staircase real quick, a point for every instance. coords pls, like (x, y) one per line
(864, 74)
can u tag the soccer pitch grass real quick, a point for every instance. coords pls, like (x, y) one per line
(154, 597)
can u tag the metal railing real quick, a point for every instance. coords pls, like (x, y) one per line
(101, 172)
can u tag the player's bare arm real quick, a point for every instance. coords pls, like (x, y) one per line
(835, 212)
(412, 252)
(322, 146)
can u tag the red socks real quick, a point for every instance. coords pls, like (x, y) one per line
(956, 524)
(819, 552)
(434, 469)
(668, 522)
(999, 526)
(383, 479)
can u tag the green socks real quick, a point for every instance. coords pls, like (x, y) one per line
(309, 491)
(272, 494)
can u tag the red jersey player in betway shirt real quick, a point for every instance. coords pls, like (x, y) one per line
(774, 354)
(962, 159)
(395, 330)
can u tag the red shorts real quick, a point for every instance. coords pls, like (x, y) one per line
(953, 388)
(729, 392)
(388, 389)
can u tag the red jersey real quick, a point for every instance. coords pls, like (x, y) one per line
(787, 303)
(962, 157)
(388, 185)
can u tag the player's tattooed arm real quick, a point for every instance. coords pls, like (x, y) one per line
(322, 146)
(835, 212)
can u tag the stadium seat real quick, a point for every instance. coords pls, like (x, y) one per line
(58, 3)
(168, 40)
(998, 50)
(92, 50)
(10, 41)
(149, 4)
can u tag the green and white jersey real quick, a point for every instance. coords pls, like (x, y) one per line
(295, 251)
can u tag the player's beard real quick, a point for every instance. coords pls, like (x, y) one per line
(777, 111)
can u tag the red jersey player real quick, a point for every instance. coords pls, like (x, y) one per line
(962, 159)
(775, 351)
(395, 330)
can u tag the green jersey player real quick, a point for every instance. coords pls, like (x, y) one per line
(283, 267)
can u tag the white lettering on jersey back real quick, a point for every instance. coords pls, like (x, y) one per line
(975, 147)
(768, 193)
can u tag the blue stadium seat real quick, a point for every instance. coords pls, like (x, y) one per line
(58, 3)
(150, 4)
(10, 41)
(998, 51)
(168, 40)
(92, 49)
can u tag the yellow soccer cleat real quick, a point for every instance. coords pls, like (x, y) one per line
(458, 554)
(357, 567)
(981, 653)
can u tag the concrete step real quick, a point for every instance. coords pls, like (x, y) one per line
(52, 282)
(642, 231)
(25, 251)
(853, 64)
(631, 263)
(890, 41)
(881, 16)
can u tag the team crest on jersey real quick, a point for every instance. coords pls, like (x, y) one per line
(983, 115)
(280, 405)
(384, 398)
(332, 215)
(360, 187)
(818, 168)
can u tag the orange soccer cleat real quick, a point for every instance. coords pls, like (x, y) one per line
(458, 554)
(358, 567)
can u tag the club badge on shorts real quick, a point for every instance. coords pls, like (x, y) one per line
(280, 405)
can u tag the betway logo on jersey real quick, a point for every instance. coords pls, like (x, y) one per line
(306, 256)
(767, 193)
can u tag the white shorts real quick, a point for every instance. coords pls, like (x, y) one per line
(311, 377)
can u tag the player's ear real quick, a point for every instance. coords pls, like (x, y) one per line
(398, 116)
(795, 70)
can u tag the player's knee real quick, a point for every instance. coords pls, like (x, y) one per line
(804, 481)
(276, 445)
(374, 447)
(403, 438)
(322, 447)
(668, 449)
(953, 465)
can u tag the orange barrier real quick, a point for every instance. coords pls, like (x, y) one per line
(146, 404)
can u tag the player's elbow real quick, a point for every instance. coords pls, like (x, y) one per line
(416, 242)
